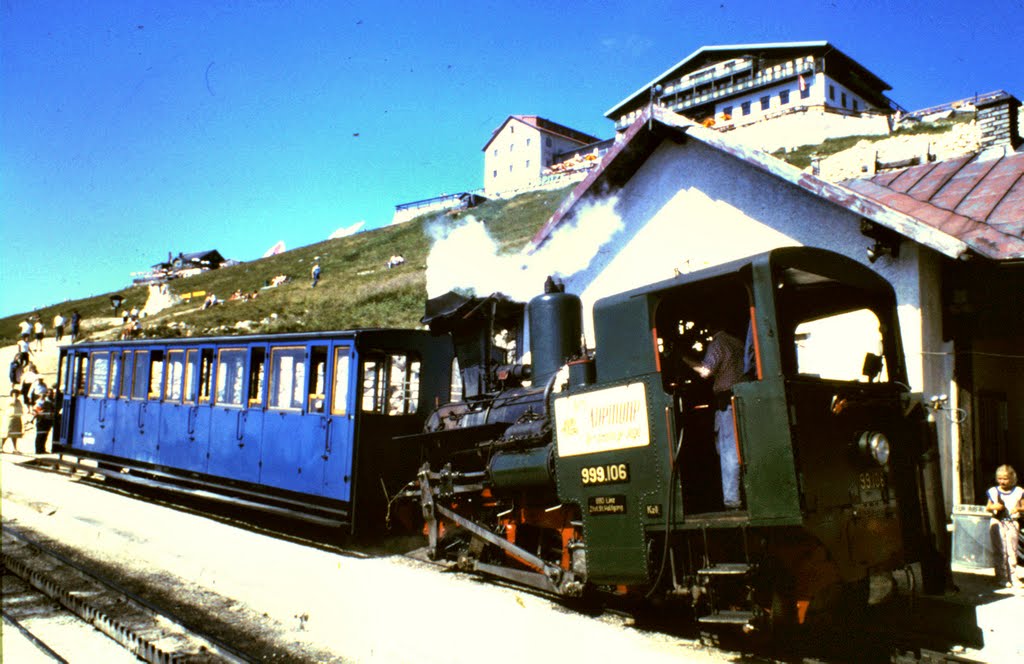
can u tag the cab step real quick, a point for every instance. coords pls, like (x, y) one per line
(726, 569)
(727, 618)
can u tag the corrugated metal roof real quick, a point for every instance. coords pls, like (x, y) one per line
(979, 201)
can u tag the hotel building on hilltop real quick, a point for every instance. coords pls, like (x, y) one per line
(809, 91)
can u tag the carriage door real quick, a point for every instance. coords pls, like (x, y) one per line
(174, 412)
(236, 417)
(144, 407)
(98, 429)
(293, 429)
(74, 394)
(198, 390)
(338, 451)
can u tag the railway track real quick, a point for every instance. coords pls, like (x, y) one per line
(145, 630)
(884, 645)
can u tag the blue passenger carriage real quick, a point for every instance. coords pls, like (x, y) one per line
(302, 424)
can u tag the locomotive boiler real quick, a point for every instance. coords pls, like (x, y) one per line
(596, 469)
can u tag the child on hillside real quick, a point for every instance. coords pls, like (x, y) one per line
(1005, 504)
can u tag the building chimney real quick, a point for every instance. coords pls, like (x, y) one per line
(997, 118)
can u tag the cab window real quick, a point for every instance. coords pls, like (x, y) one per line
(391, 384)
(835, 347)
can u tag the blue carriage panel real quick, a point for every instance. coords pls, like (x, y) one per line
(236, 417)
(338, 453)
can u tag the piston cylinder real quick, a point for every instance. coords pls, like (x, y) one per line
(528, 469)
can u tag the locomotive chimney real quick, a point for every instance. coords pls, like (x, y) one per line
(556, 329)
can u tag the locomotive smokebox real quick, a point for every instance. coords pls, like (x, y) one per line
(556, 329)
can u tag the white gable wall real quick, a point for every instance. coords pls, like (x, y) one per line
(690, 207)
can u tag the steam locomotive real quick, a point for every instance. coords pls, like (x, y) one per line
(596, 470)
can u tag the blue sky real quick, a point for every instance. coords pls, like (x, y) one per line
(132, 129)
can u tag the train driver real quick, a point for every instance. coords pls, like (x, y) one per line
(723, 364)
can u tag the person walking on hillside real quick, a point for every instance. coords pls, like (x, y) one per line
(58, 327)
(24, 329)
(24, 351)
(76, 320)
(315, 274)
(28, 379)
(12, 426)
(38, 330)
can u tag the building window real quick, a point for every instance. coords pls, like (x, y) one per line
(844, 100)
(527, 142)
(511, 147)
(495, 152)
(766, 102)
(527, 163)
(547, 141)
(511, 129)
(832, 92)
(805, 93)
(783, 97)
(510, 168)
(854, 102)
(746, 107)
(727, 112)
(495, 174)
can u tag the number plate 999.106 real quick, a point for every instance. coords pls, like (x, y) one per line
(611, 473)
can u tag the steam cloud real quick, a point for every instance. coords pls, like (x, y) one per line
(465, 257)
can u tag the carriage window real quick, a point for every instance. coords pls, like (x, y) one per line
(339, 398)
(175, 375)
(126, 375)
(115, 368)
(191, 366)
(81, 371)
(100, 374)
(834, 347)
(205, 375)
(257, 375)
(391, 384)
(287, 376)
(317, 378)
(156, 373)
(230, 376)
(140, 383)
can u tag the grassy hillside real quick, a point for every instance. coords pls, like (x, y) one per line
(355, 289)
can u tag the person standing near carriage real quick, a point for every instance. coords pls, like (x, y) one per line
(43, 414)
(58, 327)
(12, 425)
